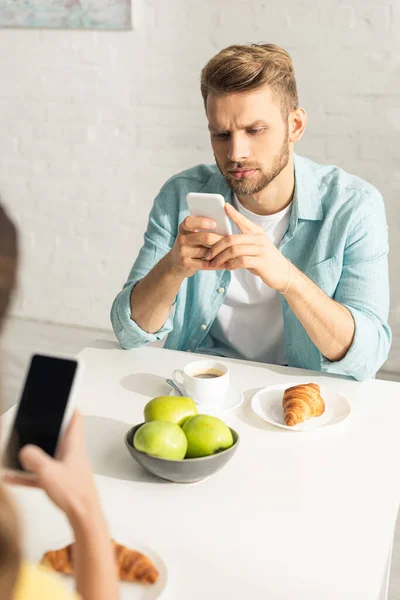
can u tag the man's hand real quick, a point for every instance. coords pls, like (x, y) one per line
(153, 296)
(250, 250)
(187, 254)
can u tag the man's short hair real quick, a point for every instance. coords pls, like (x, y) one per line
(249, 67)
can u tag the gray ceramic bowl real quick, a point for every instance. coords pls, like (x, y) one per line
(187, 470)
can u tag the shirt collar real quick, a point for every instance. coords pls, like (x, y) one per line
(306, 202)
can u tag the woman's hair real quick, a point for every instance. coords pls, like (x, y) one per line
(245, 68)
(9, 546)
(8, 262)
(9, 533)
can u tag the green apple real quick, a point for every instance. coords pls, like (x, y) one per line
(174, 409)
(206, 435)
(162, 439)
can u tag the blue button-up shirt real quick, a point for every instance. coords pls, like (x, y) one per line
(337, 235)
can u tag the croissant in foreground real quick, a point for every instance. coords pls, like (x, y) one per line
(302, 402)
(132, 565)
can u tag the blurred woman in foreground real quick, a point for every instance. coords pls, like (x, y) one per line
(69, 484)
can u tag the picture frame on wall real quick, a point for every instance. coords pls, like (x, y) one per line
(66, 14)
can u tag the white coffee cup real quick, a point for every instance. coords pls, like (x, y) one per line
(206, 381)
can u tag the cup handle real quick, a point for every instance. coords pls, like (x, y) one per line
(175, 377)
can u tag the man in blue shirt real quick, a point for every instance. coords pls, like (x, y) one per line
(303, 280)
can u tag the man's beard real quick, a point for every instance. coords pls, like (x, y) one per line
(261, 179)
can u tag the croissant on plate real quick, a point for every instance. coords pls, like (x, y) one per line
(302, 402)
(132, 565)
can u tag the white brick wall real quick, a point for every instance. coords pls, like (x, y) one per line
(92, 124)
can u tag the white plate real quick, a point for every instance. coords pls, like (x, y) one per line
(45, 528)
(267, 404)
(233, 399)
(129, 590)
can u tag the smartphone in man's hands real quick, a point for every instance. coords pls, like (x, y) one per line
(45, 408)
(210, 206)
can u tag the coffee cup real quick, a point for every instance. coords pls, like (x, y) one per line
(206, 381)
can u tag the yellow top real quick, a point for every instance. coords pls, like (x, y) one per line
(37, 583)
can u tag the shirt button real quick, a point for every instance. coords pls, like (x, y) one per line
(203, 327)
(221, 290)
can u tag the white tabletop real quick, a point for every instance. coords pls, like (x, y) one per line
(292, 515)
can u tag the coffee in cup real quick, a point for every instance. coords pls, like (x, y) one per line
(209, 374)
(206, 381)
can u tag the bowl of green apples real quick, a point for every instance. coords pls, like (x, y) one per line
(177, 444)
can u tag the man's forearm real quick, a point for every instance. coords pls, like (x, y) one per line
(153, 296)
(329, 324)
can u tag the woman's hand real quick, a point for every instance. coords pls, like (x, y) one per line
(67, 480)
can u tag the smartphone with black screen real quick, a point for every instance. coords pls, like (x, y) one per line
(45, 408)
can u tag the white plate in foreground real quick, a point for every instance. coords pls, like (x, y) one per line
(128, 590)
(267, 404)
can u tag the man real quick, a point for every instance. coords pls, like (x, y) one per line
(303, 280)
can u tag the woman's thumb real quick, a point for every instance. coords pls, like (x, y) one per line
(34, 459)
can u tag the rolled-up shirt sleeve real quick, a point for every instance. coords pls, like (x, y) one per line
(158, 241)
(364, 290)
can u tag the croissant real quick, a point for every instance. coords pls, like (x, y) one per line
(132, 565)
(302, 402)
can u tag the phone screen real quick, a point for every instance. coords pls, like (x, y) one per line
(41, 409)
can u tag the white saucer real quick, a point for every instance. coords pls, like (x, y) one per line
(267, 404)
(233, 399)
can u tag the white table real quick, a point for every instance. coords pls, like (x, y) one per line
(292, 516)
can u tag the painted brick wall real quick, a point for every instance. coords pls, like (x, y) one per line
(92, 124)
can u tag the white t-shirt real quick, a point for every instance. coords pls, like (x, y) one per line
(249, 324)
